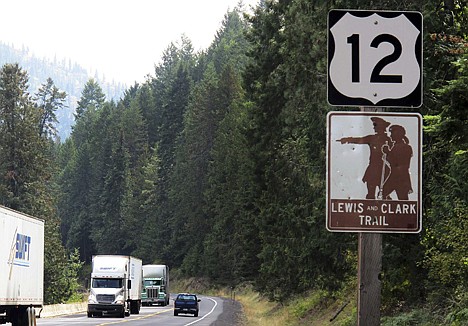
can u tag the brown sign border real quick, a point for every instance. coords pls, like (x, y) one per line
(379, 226)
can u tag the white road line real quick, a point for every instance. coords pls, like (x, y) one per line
(211, 311)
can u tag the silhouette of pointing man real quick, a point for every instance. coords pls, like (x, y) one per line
(376, 169)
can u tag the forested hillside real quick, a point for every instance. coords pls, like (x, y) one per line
(68, 76)
(216, 165)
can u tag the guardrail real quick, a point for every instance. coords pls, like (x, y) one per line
(63, 309)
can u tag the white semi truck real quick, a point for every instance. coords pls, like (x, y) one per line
(155, 285)
(116, 283)
(21, 267)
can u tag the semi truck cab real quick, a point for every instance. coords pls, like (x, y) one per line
(107, 297)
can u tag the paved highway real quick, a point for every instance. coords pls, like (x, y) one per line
(210, 309)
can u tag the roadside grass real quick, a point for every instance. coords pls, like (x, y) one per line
(78, 297)
(317, 308)
(320, 308)
(420, 317)
(259, 311)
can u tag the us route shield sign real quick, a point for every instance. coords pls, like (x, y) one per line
(375, 58)
(374, 171)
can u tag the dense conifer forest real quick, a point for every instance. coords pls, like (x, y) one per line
(216, 164)
(67, 75)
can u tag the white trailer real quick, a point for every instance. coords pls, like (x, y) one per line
(116, 283)
(21, 267)
(155, 285)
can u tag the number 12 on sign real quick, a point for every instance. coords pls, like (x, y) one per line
(374, 58)
(376, 76)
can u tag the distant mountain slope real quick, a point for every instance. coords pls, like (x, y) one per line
(68, 76)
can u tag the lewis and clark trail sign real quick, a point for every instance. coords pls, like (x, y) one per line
(374, 171)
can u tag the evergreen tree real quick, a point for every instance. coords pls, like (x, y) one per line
(286, 134)
(446, 157)
(230, 45)
(50, 99)
(211, 97)
(171, 88)
(84, 170)
(19, 164)
(109, 222)
(135, 140)
(232, 244)
(92, 98)
(74, 203)
(144, 208)
(27, 168)
(189, 178)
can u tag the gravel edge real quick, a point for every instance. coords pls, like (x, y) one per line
(232, 315)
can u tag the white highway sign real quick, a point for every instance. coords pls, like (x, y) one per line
(374, 58)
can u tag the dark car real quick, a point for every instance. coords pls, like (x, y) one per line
(186, 303)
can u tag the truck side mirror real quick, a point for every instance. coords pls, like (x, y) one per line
(129, 284)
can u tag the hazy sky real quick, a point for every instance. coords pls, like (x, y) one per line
(122, 39)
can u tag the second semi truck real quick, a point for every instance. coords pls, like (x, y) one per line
(155, 285)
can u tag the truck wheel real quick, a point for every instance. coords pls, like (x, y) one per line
(90, 314)
(23, 317)
(176, 313)
(134, 308)
(195, 314)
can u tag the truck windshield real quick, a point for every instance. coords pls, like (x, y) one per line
(114, 283)
(152, 282)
